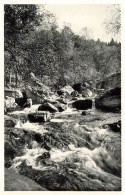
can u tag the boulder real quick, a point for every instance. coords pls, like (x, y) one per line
(37, 117)
(109, 101)
(35, 89)
(35, 82)
(87, 93)
(21, 101)
(80, 86)
(9, 121)
(16, 182)
(61, 106)
(9, 149)
(82, 104)
(86, 112)
(74, 94)
(67, 89)
(40, 159)
(14, 93)
(48, 107)
(22, 116)
(116, 127)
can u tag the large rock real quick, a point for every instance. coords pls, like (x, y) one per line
(67, 89)
(87, 93)
(16, 182)
(116, 127)
(14, 93)
(36, 90)
(9, 151)
(80, 86)
(9, 101)
(40, 116)
(48, 107)
(109, 101)
(21, 101)
(61, 106)
(9, 121)
(82, 104)
(22, 116)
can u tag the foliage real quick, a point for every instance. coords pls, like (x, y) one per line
(33, 43)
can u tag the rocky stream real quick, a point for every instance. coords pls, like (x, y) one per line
(72, 146)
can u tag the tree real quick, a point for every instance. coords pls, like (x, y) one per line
(19, 21)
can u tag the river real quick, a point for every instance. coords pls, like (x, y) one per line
(80, 152)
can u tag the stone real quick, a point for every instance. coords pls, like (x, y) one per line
(39, 116)
(82, 104)
(13, 93)
(60, 106)
(87, 93)
(110, 101)
(22, 116)
(17, 182)
(67, 89)
(44, 156)
(80, 86)
(9, 102)
(48, 107)
(9, 151)
(86, 112)
(21, 101)
(74, 94)
(116, 127)
(9, 122)
(35, 89)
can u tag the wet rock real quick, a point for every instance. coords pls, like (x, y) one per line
(41, 159)
(9, 103)
(22, 116)
(9, 121)
(86, 112)
(21, 101)
(67, 89)
(48, 107)
(74, 94)
(35, 89)
(38, 117)
(9, 151)
(109, 101)
(38, 138)
(13, 93)
(116, 127)
(80, 86)
(60, 106)
(44, 155)
(87, 93)
(47, 162)
(82, 104)
(59, 92)
(46, 146)
(16, 182)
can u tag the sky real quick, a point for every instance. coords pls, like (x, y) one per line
(79, 16)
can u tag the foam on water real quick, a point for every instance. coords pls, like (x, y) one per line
(29, 158)
(31, 126)
(33, 108)
(60, 120)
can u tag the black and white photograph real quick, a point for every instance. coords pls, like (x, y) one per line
(62, 97)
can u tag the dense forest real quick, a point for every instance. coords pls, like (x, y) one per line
(34, 43)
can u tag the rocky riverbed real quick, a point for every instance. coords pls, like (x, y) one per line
(71, 151)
